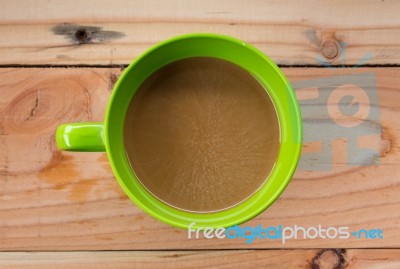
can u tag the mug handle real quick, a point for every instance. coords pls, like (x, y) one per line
(81, 136)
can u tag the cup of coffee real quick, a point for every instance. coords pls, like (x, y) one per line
(200, 128)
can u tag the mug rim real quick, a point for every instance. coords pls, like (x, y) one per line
(235, 51)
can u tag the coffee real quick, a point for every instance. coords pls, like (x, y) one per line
(201, 134)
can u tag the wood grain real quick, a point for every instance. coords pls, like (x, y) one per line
(290, 32)
(51, 200)
(272, 259)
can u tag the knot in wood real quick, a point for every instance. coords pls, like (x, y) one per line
(330, 49)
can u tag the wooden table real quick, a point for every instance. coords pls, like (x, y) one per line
(59, 61)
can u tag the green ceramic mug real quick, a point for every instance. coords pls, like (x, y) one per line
(108, 136)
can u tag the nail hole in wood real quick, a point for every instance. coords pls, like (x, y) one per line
(82, 36)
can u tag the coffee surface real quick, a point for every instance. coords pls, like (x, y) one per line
(201, 134)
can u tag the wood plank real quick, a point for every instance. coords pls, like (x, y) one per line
(71, 201)
(290, 32)
(272, 259)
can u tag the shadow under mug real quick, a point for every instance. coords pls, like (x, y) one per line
(108, 136)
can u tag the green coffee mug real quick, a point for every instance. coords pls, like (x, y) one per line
(109, 136)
